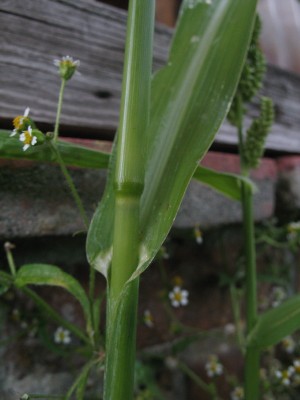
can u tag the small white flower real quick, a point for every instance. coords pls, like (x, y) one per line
(198, 235)
(285, 375)
(67, 67)
(296, 365)
(237, 393)
(66, 60)
(288, 344)
(28, 138)
(18, 121)
(148, 319)
(62, 336)
(213, 367)
(229, 329)
(179, 297)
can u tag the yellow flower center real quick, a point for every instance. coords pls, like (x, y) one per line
(285, 375)
(178, 296)
(177, 281)
(297, 368)
(28, 137)
(67, 63)
(19, 121)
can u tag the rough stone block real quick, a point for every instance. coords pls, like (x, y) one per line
(288, 189)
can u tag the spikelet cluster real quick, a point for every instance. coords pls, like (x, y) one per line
(257, 133)
(252, 74)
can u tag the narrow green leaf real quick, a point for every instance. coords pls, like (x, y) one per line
(190, 98)
(275, 324)
(80, 382)
(84, 157)
(100, 234)
(227, 184)
(44, 274)
(72, 154)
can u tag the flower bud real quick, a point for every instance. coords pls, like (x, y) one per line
(66, 67)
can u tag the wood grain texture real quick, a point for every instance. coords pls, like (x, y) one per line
(35, 32)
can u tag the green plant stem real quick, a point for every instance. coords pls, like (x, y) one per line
(208, 388)
(252, 357)
(248, 221)
(251, 278)
(10, 261)
(81, 381)
(122, 306)
(42, 396)
(235, 300)
(70, 181)
(252, 367)
(51, 313)
(71, 185)
(77, 199)
(59, 108)
(129, 181)
(162, 271)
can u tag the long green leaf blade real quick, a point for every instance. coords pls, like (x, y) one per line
(275, 324)
(84, 157)
(227, 184)
(205, 64)
(44, 274)
(190, 98)
(72, 154)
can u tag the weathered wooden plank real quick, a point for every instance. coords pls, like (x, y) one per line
(33, 33)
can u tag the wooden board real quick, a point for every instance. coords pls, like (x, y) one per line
(33, 33)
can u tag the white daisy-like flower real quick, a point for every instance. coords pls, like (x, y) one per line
(179, 297)
(66, 66)
(28, 138)
(67, 60)
(62, 336)
(213, 367)
(296, 365)
(148, 319)
(285, 375)
(18, 121)
(237, 393)
(288, 344)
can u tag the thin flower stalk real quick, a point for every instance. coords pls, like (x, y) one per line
(59, 108)
(67, 67)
